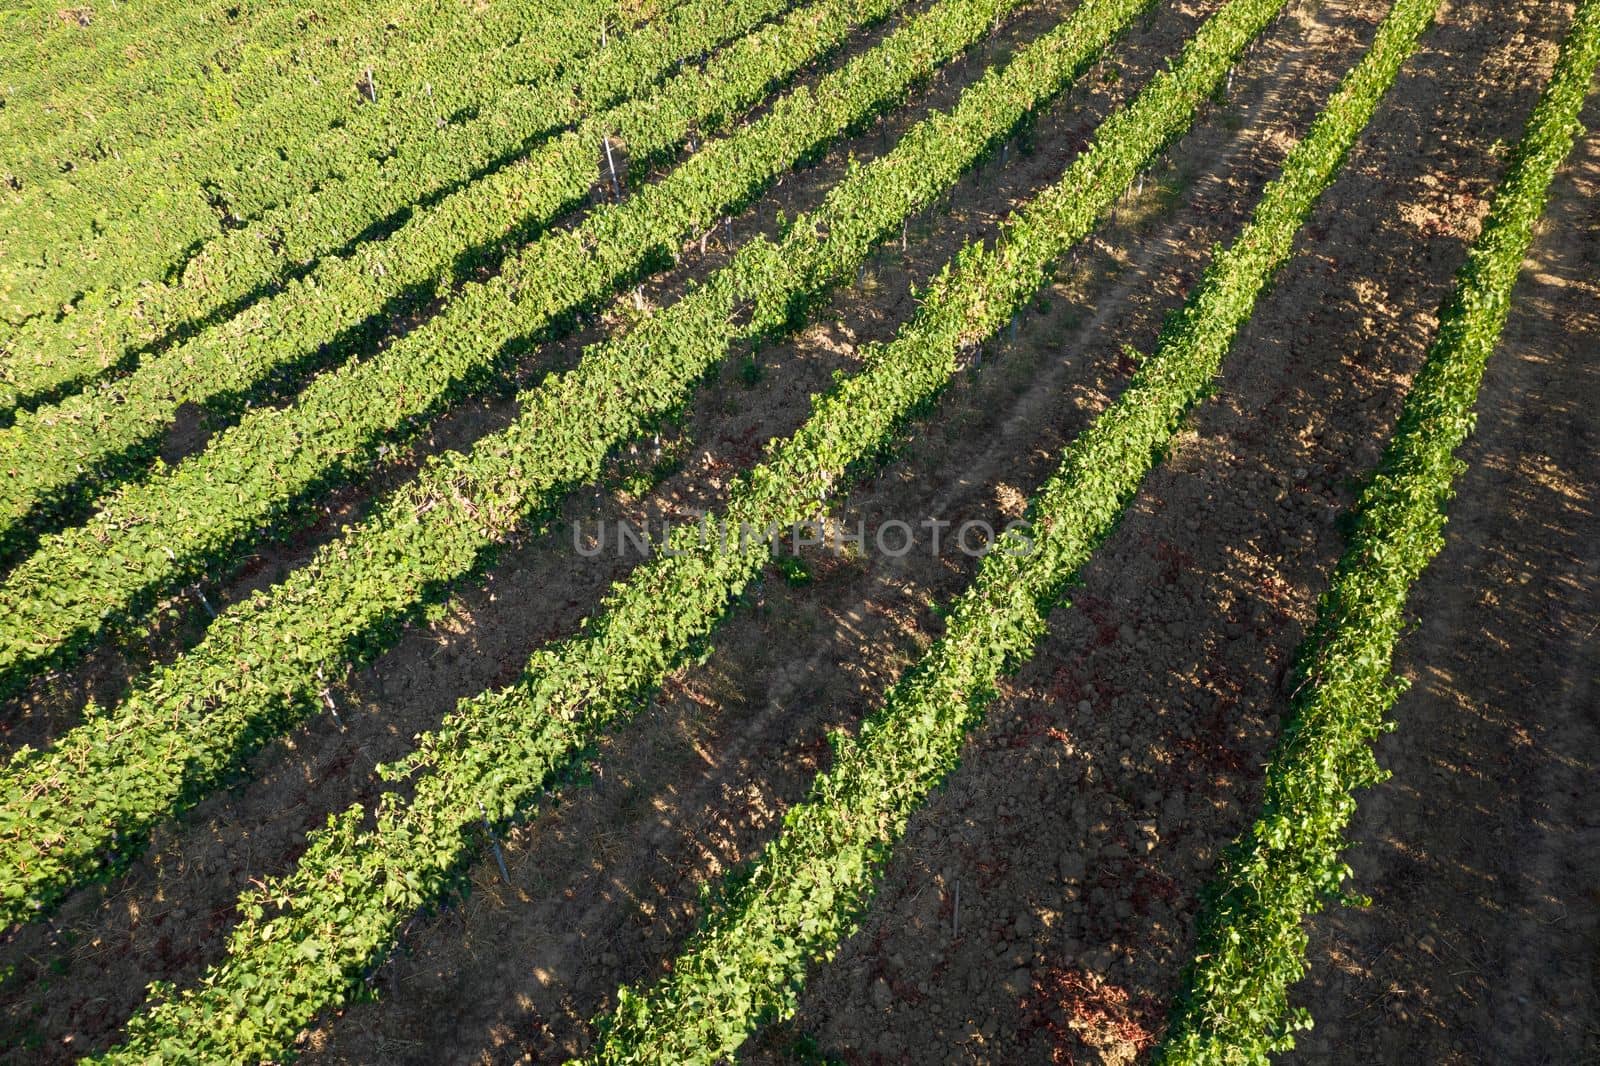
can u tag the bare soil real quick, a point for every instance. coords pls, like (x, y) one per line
(1482, 852)
(1041, 906)
(1090, 809)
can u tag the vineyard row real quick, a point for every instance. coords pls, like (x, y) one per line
(306, 939)
(806, 890)
(151, 277)
(260, 667)
(1251, 941)
(198, 178)
(211, 508)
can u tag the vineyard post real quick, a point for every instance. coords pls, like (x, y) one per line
(494, 842)
(611, 165)
(327, 699)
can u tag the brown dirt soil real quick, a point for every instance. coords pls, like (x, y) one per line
(78, 976)
(1089, 808)
(1482, 852)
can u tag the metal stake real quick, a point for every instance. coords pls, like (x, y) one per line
(611, 165)
(494, 843)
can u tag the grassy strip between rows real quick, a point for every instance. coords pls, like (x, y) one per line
(58, 456)
(806, 890)
(301, 61)
(58, 54)
(430, 75)
(66, 104)
(207, 511)
(443, 196)
(314, 932)
(76, 52)
(227, 168)
(71, 811)
(376, 193)
(35, 31)
(1251, 945)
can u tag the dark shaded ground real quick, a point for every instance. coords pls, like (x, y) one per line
(1089, 810)
(1482, 853)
